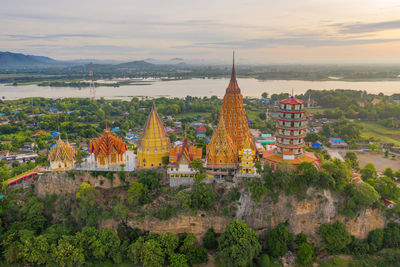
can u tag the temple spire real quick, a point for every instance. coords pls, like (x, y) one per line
(233, 86)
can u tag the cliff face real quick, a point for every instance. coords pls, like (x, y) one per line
(303, 216)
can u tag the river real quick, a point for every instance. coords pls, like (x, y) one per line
(195, 87)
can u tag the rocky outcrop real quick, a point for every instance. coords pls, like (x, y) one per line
(305, 216)
(197, 224)
(63, 182)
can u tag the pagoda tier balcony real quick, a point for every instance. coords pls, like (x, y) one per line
(291, 146)
(288, 128)
(292, 119)
(292, 111)
(283, 136)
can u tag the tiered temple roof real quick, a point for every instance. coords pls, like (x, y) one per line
(107, 144)
(234, 113)
(155, 142)
(185, 150)
(62, 152)
(221, 151)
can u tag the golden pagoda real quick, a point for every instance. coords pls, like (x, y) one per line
(62, 156)
(234, 113)
(108, 150)
(221, 151)
(247, 157)
(154, 144)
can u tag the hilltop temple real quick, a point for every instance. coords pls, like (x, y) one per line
(231, 133)
(108, 150)
(180, 158)
(154, 144)
(291, 130)
(62, 156)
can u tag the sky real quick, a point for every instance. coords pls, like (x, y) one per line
(206, 31)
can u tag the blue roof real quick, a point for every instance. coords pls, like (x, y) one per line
(71, 111)
(53, 109)
(201, 135)
(131, 135)
(316, 145)
(207, 140)
(195, 118)
(52, 146)
(116, 129)
(337, 140)
(2, 114)
(1, 196)
(86, 149)
(55, 134)
(15, 111)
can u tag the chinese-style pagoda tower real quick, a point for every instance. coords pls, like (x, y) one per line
(247, 157)
(291, 131)
(62, 156)
(108, 150)
(154, 144)
(234, 114)
(221, 151)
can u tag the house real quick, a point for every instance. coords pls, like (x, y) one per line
(376, 101)
(337, 143)
(388, 203)
(39, 133)
(201, 131)
(28, 146)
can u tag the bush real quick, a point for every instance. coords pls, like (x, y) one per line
(334, 236)
(375, 240)
(391, 236)
(210, 239)
(305, 253)
(202, 197)
(238, 245)
(278, 240)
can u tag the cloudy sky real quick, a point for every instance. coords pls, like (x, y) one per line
(262, 32)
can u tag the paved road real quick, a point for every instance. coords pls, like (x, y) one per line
(335, 153)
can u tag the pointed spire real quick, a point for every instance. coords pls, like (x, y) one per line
(233, 86)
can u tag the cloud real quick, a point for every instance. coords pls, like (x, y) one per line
(367, 27)
(289, 41)
(52, 36)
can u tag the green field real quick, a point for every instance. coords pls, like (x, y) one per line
(379, 132)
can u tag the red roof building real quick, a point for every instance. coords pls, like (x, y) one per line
(291, 131)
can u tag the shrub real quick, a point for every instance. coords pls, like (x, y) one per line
(305, 253)
(210, 239)
(334, 236)
(278, 240)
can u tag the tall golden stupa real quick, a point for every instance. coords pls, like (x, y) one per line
(234, 113)
(155, 143)
(231, 133)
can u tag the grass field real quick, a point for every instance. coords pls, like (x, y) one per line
(192, 114)
(379, 132)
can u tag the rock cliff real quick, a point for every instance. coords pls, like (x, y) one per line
(303, 216)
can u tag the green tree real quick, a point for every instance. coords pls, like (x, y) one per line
(67, 252)
(352, 157)
(238, 245)
(368, 171)
(375, 240)
(178, 260)
(334, 236)
(305, 253)
(152, 254)
(210, 239)
(388, 172)
(197, 164)
(278, 240)
(35, 250)
(194, 253)
(202, 197)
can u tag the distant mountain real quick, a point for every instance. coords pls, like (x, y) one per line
(176, 59)
(9, 59)
(136, 65)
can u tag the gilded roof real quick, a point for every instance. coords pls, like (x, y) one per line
(234, 113)
(106, 144)
(62, 151)
(155, 138)
(190, 152)
(221, 149)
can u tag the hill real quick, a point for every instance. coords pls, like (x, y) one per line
(136, 65)
(9, 59)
